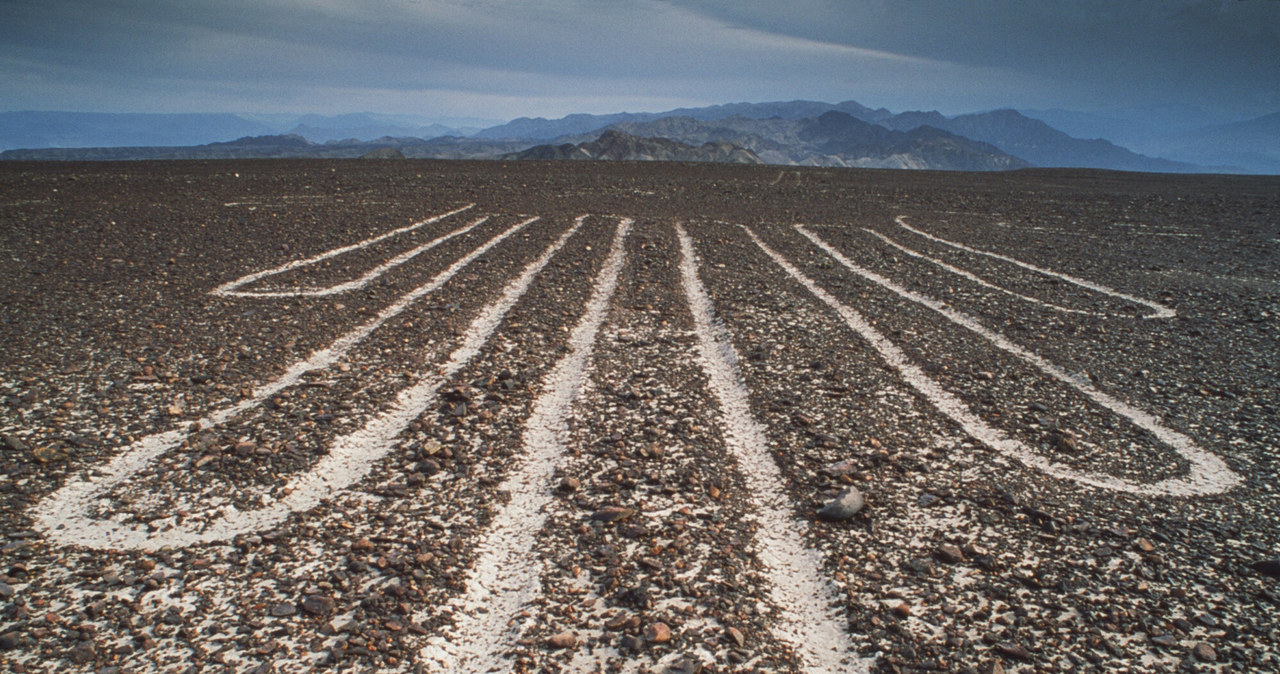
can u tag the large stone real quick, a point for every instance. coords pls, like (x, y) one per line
(845, 505)
(563, 640)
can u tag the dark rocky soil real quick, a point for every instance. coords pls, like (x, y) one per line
(964, 557)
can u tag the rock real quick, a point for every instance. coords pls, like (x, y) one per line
(1166, 640)
(1014, 651)
(840, 468)
(318, 605)
(950, 554)
(845, 505)
(612, 514)
(685, 665)
(569, 485)
(563, 640)
(362, 545)
(6, 590)
(1267, 567)
(8, 641)
(14, 443)
(928, 500)
(737, 636)
(1145, 545)
(902, 610)
(83, 653)
(1204, 652)
(283, 610)
(657, 633)
(47, 454)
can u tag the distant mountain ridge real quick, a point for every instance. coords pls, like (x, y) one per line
(781, 132)
(618, 146)
(834, 139)
(44, 129)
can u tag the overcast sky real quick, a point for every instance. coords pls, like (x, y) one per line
(499, 59)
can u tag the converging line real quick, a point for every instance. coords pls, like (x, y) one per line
(66, 515)
(505, 575)
(1208, 473)
(229, 289)
(1161, 311)
(805, 597)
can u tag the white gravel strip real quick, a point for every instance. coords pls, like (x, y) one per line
(1161, 311)
(977, 279)
(229, 289)
(810, 620)
(65, 516)
(506, 574)
(1208, 474)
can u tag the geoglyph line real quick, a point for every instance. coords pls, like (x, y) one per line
(1160, 310)
(806, 599)
(229, 289)
(977, 279)
(1208, 473)
(65, 516)
(506, 575)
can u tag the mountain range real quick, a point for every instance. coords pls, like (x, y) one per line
(792, 132)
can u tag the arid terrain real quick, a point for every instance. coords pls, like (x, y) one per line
(534, 416)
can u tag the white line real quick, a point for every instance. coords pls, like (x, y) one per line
(1161, 311)
(977, 279)
(807, 600)
(505, 575)
(65, 516)
(1208, 474)
(229, 289)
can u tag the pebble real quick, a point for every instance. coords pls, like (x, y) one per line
(14, 443)
(1204, 652)
(83, 653)
(1267, 567)
(570, 484)
(950, 554)
(1014, 651)
(563, 640)
(612, 514)
(1166, 640)
(283, 610)
(738, 637)
(6, 590)
(685, 665)
(843, 506)
(840, 468)
(657, 633)
(318, 605)
(8, 641)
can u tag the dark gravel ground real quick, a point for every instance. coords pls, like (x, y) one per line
(963, 559)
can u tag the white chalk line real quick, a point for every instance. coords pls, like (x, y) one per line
(506, 575)
(229, 289)
(979, 280)
(810, 621)
(65, 516)
(1161, 311)
(1208, 474)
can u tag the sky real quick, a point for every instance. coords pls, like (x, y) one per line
(500, 59)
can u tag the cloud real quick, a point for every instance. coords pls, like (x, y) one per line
(558, 56)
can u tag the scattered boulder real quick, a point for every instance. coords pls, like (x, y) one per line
(844, 506)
